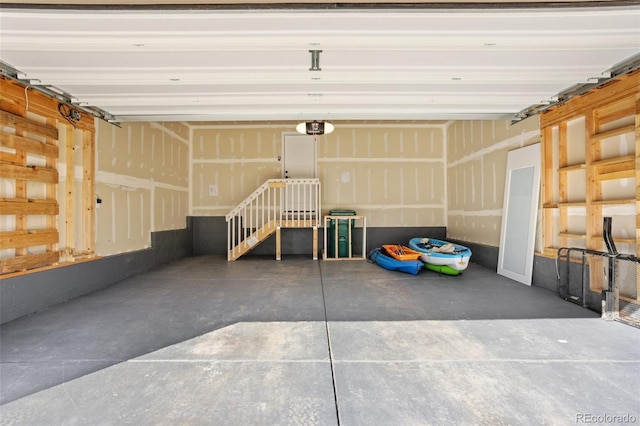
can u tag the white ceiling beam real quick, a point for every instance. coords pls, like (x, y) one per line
(160, 78)
(376, 64)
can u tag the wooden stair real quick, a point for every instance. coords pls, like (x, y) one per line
(263, 213)
(252, 240)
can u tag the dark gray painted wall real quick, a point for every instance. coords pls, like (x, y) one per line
(172, 245)
(210, 237)
(544, 269)
(481, 254)
(33, 292)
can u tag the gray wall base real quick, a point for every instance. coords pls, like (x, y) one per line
(172, 245)
(544, 273)
(210, 238)
(209, 235)
(481, 254)
(36, 291)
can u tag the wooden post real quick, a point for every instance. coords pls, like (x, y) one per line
(315, 243)
(350, 242)
(562, 184)
(70, 194)
(21, 193)
(637, 133)
(548, 202)
(278, 244)
(594, 187)
(88, 192)
(364, 237)
(324, 239)
(51, 189)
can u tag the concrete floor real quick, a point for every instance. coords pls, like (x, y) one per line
(296, 342)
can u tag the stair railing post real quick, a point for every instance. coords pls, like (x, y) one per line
(298, 185)
(269, 203)
(229, 223)
(262, 207)
(244, 224)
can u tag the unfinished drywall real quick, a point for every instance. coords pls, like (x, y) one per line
(393, 173)
(141, 183)
(230, 162)
(476, 169)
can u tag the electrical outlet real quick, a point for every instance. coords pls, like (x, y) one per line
(213, 190)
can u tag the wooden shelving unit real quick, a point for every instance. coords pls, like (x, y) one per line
(591, 169)
(350, 221)
(33, 138)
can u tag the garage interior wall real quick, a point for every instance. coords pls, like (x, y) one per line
(142, 183)
(476, 169)
(154, 180)
(394, 174)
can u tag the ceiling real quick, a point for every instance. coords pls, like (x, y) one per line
(376, 63)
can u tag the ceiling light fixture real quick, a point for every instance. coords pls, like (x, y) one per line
(315, 128)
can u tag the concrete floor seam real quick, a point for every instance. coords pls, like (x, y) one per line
(326, 327)
(487, 361)
(229, 361)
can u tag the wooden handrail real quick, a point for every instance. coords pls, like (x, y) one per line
(277, 203)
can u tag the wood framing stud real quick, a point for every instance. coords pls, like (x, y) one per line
(315, 243)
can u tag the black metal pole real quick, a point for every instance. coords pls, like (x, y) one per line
(608, 296)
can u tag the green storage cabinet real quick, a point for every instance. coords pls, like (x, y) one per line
(343, 233)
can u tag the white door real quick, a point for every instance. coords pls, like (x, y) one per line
(519, 217)
(299, 154)
(299, 162)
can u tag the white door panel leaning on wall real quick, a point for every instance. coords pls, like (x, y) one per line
(520, 208)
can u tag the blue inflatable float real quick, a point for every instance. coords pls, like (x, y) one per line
(388, 262)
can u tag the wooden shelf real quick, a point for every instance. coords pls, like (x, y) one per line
(623, 167)
(550, 206)
(573, 204)
(614, 132)
(625, 159)
(614, 202)
(623, 174)
(617, 239)
(551, 252)
(25, 206)
(571, 235)
(572, 167)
